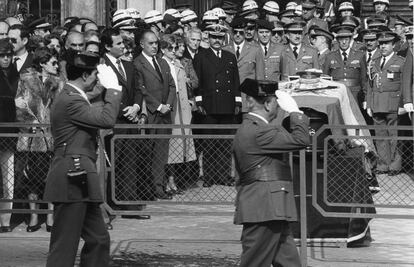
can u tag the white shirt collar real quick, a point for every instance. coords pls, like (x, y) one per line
(387, 58)
(372, 52)
(114, 61)
(239, 45)
(81, 92)
(259, 116)
(215, 52)
(192, 54)
(298, 46)
(347, 52)
(22, 59)
(267, 46)
(148, 58)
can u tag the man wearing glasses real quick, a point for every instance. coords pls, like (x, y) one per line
(249, 60)
(19, 38)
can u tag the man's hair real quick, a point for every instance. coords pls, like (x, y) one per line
(24, 31)
(145, 32)
(261, 99)
(71, 33)
(167, 40)
(106, 37)
(48, 38)
(190, 32)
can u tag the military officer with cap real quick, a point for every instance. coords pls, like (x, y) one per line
(270, 52)
(308, 14)
(40, 27)
(218, 100)
(249, 58)
(322, 41)
(296, 55)
(73, 185)
(347, 65)
(383, 100)
(278, 32)
(265, 202)
(369, 36)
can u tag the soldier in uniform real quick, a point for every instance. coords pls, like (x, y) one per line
(265, 202)
(369, 36)
(347, 65)
(72, 184)
(308, 14)
(219, 101)
(383, 100)
(278, 31)
(322, 41)
(297, 56)
(249, 60)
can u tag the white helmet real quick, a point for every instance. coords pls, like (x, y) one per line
(219, 12)
(249, 5)
(346, 6)
(173, 12)
(153, 16)
(210, 15)
(188, 15)
(387, 2)
(298, 10)
(120, 15)
(271, 7)
(291, 6)
(134, 13)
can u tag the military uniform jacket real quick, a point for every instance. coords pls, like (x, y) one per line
(219, 82)
(353, 73)
(384, 86)
(259, 145)
(75, 125)
(307, 59)
(272, 62)
(407, 80)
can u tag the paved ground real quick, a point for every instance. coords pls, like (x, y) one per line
(210, 241)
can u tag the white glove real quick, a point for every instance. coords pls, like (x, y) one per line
(108, 78)
(364, 105)
(369, 112)
(409, 107)
(286, 102)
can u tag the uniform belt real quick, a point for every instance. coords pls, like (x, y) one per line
(350, 82)
(265, 174)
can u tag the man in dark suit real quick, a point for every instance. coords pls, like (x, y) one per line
(383, 100)
(218, 100)
(265, 202)
(72, 184)
(155, 83)
(19, 37)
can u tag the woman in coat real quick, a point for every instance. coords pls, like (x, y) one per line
(9, 78)
(181, 149)
(37, 89)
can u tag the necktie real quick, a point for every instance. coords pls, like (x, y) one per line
(383, 63)
(157, 68)
(121, 71)
(265, 50)
(15, 62)
(238, 52)
(369, 57)
(295, 51)
(218, 54)
(345, 56)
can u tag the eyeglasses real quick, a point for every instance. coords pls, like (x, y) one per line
(173, 48)
(6, 55)
(241, 32)
(13, 40)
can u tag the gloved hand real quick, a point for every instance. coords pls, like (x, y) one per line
(369, 112)
(364, 105)
(409, 107)
(108, 78)
(286, 102)
(201, 110)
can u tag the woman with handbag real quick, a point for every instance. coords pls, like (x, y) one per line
(37, 88)
(9, 78)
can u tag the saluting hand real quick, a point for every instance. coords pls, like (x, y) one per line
(286, 102)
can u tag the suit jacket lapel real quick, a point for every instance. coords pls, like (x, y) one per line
(244, 51)
(148, 66)
(121, 79)
(212, 57)
(289, 52)
(389, 62)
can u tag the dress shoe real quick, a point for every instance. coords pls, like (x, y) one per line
(138, 217)
(5, 229)
(48, 228)
(33, 228)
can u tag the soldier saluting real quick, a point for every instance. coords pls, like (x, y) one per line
(73, 185)
(265, 203)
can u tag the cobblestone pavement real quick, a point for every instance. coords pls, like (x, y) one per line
(210, 241)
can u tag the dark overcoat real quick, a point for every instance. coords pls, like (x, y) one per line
(257, 147)
(75, 125)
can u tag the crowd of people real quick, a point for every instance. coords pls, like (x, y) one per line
(180, 67)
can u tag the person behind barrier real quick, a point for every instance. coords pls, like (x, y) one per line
(73, 184)
(9, 78)
(265, 202)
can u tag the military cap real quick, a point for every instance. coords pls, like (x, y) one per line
(264, 24)
(278, 26)
(259, 88)
(296, 25)
(402, 21)
(374, 22)
(387, 2)
(309, 74)
(271, 7)
(249, 6)
(216, 29)
(188, 15)
(6, 48)
(386, 36)
(229, 7)
(84, 60)
(121, 15)
(209, 15)
(309, 4)
(346, 6)
(134, 13)
(41, 23)
(317, 31)
(343, 31)
(238, 23)
(350, 21)
(369, 34)
(291, 6)
(289, 13)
